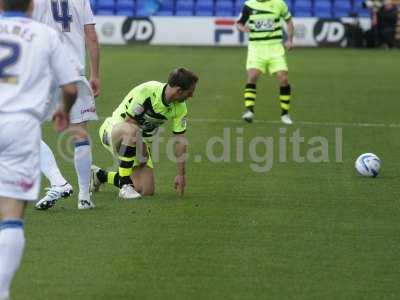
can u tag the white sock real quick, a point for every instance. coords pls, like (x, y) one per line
(12, 242)
(48, 166)
(83, 161)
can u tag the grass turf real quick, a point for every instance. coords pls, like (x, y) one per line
(300, 231)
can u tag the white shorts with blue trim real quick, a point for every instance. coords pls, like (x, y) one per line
(19, 156)
(84, 108)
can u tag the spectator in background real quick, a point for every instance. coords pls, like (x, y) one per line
(371, 35)
(373, 5)
(385, 20)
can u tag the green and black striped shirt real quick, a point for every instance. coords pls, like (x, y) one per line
(264, 19)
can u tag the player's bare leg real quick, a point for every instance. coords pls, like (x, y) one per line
(143, 177)
(284, 96)
(12, 208)
(12, 241)
(250, 94)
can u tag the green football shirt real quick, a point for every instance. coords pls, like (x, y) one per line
(146, 104)
(264, 19)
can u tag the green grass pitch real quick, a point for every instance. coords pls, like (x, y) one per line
(312, 230)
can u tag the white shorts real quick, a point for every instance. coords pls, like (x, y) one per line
(20, 136)
(84, 108)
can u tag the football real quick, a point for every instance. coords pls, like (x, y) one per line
(368, 164)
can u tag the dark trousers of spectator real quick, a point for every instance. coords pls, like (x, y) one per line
(387, 37)
(376, 37)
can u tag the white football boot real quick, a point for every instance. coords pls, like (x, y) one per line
(248, 116)
(95, 183)
(85, 204)
(54, 194)
(286, 119)
(128, 192)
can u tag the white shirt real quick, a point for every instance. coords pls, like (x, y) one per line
(31, 55)
(68, 17)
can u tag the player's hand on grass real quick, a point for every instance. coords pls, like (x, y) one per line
(180, 183)
(60, 120)
(95, 85)
(289, 45)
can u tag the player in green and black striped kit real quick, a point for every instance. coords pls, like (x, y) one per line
(262, 20)
(127, 134)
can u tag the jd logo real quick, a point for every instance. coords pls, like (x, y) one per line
(329, 32)
(137, 30)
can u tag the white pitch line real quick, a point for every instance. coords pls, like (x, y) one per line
(305, 123)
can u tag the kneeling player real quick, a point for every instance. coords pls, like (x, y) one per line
(128, 132)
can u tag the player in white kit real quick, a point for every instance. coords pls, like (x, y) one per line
(31, 54)
(74, 20)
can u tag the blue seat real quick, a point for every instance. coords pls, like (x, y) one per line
(224, 8)
(289, 4)
(166, 8)
(105, 12)
(125, 5)
(126, 12)
(323, 9)
(204, 8)
(93, 4)
(303, 8)
(164, 13)
(146, 8)
(360, 10)
(104, 6)
(125, 8)
(238, 6)
(184, 7)
(341, 8)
